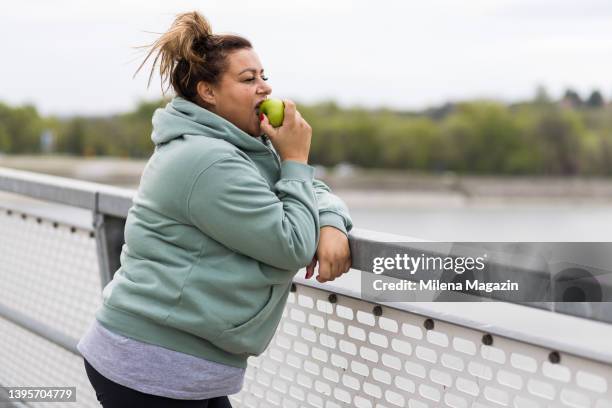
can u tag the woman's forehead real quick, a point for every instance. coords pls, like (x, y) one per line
(244, 60)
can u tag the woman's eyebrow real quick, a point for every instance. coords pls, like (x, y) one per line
(253, 70)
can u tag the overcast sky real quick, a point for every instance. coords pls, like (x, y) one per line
(76, 56)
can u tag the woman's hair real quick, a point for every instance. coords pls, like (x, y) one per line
(190, 53)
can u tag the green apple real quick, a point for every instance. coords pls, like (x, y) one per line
(274, 109)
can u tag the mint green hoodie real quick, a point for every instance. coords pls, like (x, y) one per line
(217, 230)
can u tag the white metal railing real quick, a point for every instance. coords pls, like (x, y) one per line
(332, 348)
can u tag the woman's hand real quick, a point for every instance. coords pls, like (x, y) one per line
(292, 139)
(333, 255)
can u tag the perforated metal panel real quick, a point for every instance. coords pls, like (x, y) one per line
(29, 360)
(342, 354)
(49, 272)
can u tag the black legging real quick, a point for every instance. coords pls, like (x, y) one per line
(113, 395)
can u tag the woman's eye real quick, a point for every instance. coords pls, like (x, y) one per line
(252, 79)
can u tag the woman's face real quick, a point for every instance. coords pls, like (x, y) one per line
(239, 91)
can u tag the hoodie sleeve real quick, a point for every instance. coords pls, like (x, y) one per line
(231, 202)
(332, 210)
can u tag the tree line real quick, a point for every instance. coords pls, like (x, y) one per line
(570, 136)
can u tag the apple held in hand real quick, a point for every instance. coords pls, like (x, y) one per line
(274, 109)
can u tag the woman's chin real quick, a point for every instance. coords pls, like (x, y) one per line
(256, 132)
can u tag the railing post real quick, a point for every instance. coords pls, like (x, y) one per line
(109, 241)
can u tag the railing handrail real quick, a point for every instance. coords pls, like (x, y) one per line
(115, 202)
(101, 198)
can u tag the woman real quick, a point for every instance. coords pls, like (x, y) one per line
(222, 220)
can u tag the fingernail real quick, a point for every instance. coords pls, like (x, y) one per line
(261, 116)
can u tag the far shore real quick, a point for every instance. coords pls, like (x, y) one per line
(399, 187)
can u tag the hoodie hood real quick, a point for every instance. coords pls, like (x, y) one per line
(182, 117)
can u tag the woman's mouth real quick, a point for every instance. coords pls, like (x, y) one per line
(257, 106)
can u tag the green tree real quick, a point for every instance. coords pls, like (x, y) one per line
(595, 100)
(73, 138)
(410, 144)
(558, 137)
(22, 127)
(572, 98)
(483, 137)
(5, 139)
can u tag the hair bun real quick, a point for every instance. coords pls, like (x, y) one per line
(189, 52)
(203, 44)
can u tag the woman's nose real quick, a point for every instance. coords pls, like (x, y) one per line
(265, 89)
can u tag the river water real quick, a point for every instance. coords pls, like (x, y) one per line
(502, 222)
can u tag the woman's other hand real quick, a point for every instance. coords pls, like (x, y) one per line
(333, 255)
(292, 139)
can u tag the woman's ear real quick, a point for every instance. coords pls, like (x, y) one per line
(206, 93)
